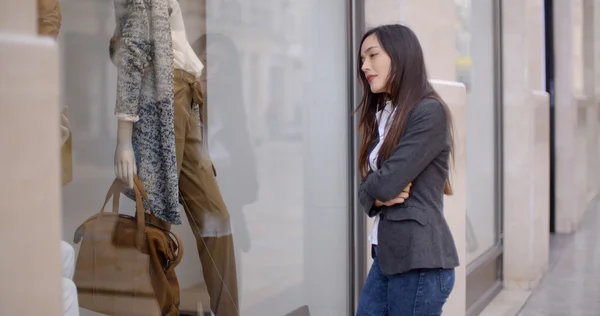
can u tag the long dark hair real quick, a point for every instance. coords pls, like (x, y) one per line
(407, 84)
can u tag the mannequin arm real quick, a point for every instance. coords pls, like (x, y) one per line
(132, 51)
(125, 165)
(65, 130)
(132, 58)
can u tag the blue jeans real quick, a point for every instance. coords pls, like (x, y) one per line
(419, 292)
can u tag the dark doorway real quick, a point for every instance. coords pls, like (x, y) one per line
(549, 49)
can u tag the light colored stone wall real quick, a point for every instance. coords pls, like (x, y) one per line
(596, 54)
(455, 206)
(525, 152)
(541, 183)
(29, 165)
(567, 202)
(592, 121)
(577, 121)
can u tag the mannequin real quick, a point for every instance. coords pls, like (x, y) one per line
(141, 47)
(195, 176)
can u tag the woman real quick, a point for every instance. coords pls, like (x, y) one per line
(406, 147)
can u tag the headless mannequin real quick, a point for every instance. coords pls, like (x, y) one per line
(199, 192)
(184, 58)
(142, 50)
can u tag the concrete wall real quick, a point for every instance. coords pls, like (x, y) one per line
(526, 142)
(455, 206)
(577, 142)
(29, 165)
(525, 139)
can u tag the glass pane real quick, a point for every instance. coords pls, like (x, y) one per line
(259, 146)
(475, 68)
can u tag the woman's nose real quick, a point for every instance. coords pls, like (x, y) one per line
(364, 67)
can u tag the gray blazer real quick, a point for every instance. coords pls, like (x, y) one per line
(414, 234)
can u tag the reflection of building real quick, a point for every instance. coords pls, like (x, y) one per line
(89, 77)
(270, 36)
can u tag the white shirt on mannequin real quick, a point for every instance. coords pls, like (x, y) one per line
(183, 55)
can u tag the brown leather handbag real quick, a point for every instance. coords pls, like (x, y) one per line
(126, 264)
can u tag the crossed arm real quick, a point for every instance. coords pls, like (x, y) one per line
(397, 200)
(425, 136)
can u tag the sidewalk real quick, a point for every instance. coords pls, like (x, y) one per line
(572, 286)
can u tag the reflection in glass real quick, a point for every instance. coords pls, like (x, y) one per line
(475, 68)
(270, 111)
(228, 134)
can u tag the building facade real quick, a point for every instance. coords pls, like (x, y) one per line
(522, 79)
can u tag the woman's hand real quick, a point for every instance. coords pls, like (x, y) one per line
(397, 200)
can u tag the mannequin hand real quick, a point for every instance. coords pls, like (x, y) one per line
(125, 166)
(64, 127)
(397, 200)
(64, 131)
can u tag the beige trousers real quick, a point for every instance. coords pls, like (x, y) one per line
(202, 200)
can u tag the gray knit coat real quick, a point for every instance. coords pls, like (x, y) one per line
(145, 97)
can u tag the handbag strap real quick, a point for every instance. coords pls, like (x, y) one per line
(141, 222)
(116, 189)
(179, 257)
(115, 192)
(137, 182)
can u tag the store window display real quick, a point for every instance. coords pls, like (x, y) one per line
(214, 121)
(160, 107)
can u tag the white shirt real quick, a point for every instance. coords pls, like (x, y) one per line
(184, 56)
(384, 116)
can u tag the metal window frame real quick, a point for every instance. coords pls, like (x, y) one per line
(357, 224)
(496, 252)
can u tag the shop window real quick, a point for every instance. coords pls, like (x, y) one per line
(262, 174)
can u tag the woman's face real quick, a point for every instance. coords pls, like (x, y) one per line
(376, 64)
